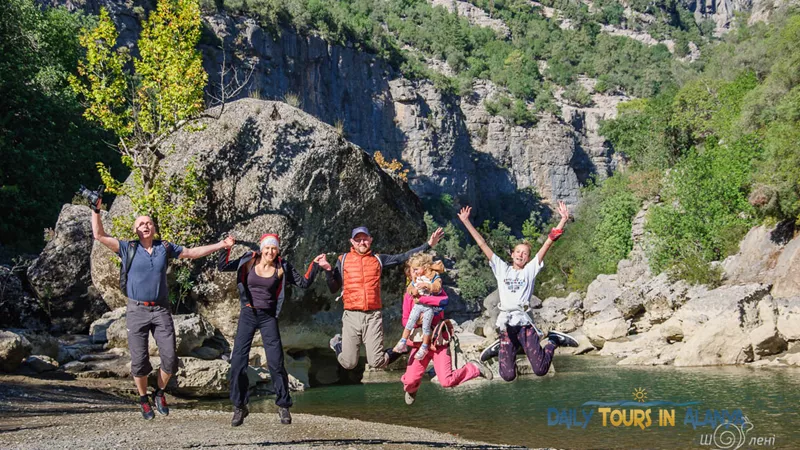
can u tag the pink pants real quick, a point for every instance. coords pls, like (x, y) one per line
(442, 364)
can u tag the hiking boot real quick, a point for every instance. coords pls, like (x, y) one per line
(147, 410)
(561, 339)
(238, 416)
(491, 351)
(160, 400)
(485, 372)
(391, 356)
(336, 344)
(411, 398)
(286, 418)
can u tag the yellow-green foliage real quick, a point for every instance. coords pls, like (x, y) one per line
(171, 67)
(174, 203)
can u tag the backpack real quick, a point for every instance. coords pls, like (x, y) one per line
(126, 267)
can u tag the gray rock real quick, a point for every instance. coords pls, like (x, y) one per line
(605, 326)
(787, 271)
(601, 294)
(13, 349)
(765, 337)
(561, 314)
(42, 343)
(719, 341)
(201, 378)
(60, 276)
(207, 353)
(271, 167)
(40, 363)
(788, 322)
(98, 328)
(17, 308)
(74, 367)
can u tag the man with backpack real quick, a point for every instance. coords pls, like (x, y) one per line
(143, 279)
(358, 274)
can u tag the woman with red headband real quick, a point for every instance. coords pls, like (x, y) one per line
(261, 278)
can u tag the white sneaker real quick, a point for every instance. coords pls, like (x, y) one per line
(411, 398)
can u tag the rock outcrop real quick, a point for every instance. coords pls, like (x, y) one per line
(273, 168)
(60, 276)
(19, 309)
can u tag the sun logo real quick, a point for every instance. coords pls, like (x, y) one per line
(639, 394)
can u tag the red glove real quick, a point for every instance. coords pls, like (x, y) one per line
(555, 234)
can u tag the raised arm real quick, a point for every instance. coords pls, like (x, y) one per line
(464, 216)
(100, 234)
(302, 281)
(333, 276)
(391, 260)
(205, 250)
(555, 233)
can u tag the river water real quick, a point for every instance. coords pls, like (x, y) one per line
(550, 411)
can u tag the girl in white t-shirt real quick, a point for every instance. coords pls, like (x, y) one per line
(515, 286)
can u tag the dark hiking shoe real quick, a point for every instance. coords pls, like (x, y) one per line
(336, 344)
(160, 401)
(286, 418)
(561, 339)
(238, 416)
(485, 372)
(411, 398)
(391, 356)
(491, 351)
(147, 410)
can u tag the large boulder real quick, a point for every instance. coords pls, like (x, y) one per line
(201, 378)
(601, 294)
(18, 309)
(13, 349)
(787, 271)
(608, 325)
(273, 168)
(719, 341)
(60, 276)
(561, 314)
(98, 328)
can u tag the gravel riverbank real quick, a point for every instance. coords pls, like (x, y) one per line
(93, 414)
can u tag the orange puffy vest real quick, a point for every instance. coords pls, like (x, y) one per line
(361, 281)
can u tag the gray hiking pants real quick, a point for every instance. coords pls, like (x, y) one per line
(141, 321)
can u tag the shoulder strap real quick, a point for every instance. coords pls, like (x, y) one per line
(132, 246)
(379, 260)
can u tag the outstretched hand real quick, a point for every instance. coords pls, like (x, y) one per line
(322, 261)
(228, 242)
(563, 211)
(436, 236)
(464, 214)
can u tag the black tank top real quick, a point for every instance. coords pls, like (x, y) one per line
(263, 291)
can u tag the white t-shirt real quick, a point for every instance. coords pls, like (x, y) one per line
(515, 288)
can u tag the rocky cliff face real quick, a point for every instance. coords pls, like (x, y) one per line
(273, 168)
(723, 12)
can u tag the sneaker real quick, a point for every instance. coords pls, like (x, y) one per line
(286, 418)
(423, 350)
(491, 351)
(411, 398)
(561, 339)
(160, 400)
(336, 344)
(238, 416)
(401, 347)
(147, 410)
(485, 372)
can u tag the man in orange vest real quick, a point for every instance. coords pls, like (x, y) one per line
(358, 274)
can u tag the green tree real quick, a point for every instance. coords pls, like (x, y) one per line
(163, 93)
(47, 148)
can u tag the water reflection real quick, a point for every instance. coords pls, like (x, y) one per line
(517, 413)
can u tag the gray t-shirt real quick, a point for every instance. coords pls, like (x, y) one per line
(147, 277)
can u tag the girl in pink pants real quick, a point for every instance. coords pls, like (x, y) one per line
(442, 361)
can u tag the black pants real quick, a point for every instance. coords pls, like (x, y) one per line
(250, 320)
